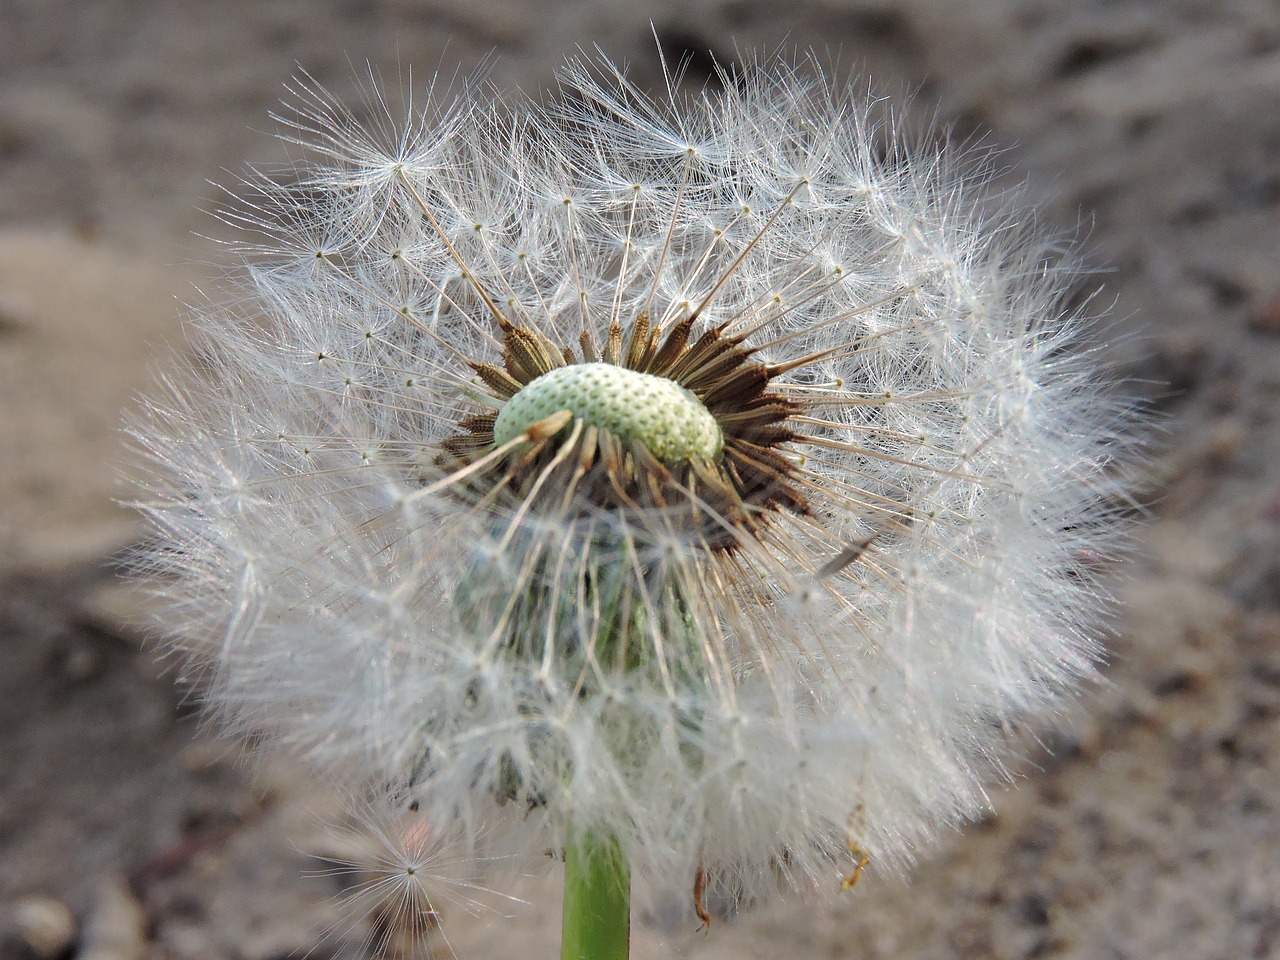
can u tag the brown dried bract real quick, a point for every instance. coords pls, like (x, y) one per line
(585, 469)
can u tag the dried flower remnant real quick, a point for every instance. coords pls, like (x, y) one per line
(701, 473)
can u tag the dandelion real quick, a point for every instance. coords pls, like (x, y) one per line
(711, 480)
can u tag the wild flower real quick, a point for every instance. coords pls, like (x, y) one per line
(718, 476)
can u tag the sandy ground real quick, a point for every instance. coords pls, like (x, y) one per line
(1150, 828)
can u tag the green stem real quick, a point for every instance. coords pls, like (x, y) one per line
(597, 900)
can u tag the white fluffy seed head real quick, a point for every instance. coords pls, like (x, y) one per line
(816, 639)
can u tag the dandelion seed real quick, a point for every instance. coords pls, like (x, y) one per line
(692, 474)
(399, 872)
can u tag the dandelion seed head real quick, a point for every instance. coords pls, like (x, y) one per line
(699, 472)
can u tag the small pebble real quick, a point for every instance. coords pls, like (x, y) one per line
(47, 926)
(82, 662)
(1266, 319)
(116, 928)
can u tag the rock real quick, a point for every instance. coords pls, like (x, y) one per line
(46, 926)
(1266, 319)
(116, 929)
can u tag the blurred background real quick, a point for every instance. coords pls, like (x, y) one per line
(1149, 827)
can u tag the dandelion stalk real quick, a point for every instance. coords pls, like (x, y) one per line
(596, 922)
